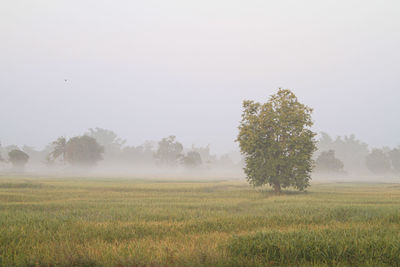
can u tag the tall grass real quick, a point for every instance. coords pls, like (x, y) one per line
(349, 246)
(111, 222)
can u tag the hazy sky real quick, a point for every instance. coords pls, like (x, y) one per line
(149, 69)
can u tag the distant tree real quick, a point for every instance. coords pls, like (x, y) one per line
(325, 142)
(327, 162)
(59, 150)
(83, 150)
(105, 137)
(349, 150)
(169, 151)
(141, 155)
(11, 147)
(378, 161)
(1, 157)
(192, 159)
(205, 154)
(394, 155)
(109, 140)
(18, 158)
(276, 142)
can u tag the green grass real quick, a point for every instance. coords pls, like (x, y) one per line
(126, 222)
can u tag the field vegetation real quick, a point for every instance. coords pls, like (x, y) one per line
(133, 222)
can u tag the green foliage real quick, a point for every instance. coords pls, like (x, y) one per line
(106, 138)
(109, 140)
(18, 158)
(83, 150)
(141, 155)
(80, 150)
(59, 149)
(378, 161)
(169, 151)
(327, 162)
(192, 159)
(205, 154)
(276, 142)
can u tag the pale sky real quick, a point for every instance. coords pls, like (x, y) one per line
(149, 69)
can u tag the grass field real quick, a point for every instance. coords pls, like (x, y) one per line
(125, 222)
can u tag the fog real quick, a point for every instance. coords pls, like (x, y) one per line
(150, 69)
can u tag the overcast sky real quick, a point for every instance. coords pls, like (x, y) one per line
(149, 69)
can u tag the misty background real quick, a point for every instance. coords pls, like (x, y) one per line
(148, 70)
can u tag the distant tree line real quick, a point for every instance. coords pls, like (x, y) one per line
(278, 148)
(348, 154)
(79, 151)
(100, 146)
(340, 155)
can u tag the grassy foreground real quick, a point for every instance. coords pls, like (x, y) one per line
(122, 222)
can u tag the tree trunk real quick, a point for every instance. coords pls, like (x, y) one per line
(277, 188)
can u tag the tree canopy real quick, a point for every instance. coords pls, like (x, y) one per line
(59, 149)
(378, 161)
(79, 150)
(109, 140)
(18, 158)
(276, 141)
(394, 155)
(192, 159)
(1, 157)
(327, 162)
(348, 149)
(169, 151)
(83, 150)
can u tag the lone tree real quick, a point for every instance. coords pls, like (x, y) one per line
(276, 142)
(18, 158)
(327, 162)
